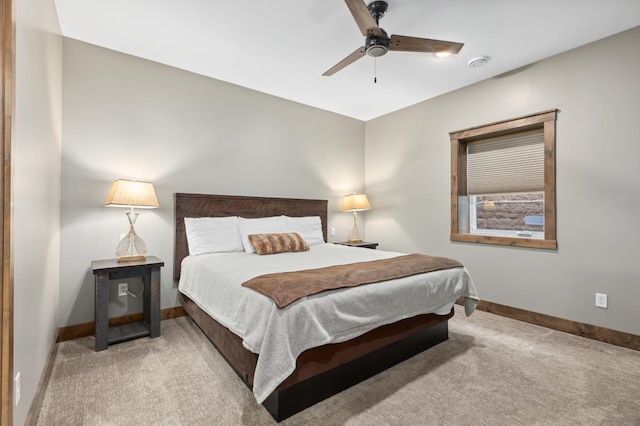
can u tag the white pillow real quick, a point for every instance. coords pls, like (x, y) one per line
(261, 225)
(212, 234)
(309, 228)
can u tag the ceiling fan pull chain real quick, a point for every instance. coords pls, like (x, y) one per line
(375, 70)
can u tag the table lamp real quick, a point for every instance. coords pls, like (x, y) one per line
(355, 203)
(131, 193)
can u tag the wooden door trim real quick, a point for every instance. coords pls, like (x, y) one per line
(6, 287)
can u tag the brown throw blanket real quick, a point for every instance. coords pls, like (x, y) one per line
(287, 287)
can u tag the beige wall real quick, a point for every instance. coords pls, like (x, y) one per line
(597, 90)
(125, 117)
(36, 191)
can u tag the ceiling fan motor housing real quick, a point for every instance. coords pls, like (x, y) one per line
(377, 46)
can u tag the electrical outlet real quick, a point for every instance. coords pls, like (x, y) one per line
(601, 300)
(122, 289)
(16, 383)
(333, 232)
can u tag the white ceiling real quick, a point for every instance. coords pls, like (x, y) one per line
(282, 47)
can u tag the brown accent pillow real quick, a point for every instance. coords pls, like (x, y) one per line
(278, 243)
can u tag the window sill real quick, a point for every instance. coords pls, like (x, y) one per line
(506, 241)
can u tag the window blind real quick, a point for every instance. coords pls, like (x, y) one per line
(506, 164)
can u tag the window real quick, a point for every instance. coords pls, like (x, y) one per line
(503, 182)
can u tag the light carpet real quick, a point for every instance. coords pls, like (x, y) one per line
(491, 371)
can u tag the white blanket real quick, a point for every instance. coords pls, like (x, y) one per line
(213, 282)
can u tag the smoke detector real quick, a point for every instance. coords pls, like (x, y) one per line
(478, 62)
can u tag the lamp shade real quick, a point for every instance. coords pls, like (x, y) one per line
(132, 193)
(355, 203)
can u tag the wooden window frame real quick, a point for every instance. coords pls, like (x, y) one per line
(545, 120)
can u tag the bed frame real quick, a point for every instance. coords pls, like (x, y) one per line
(320, 372)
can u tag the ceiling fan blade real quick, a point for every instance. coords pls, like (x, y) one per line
(363, 17)
(359, 53)
(427, 45)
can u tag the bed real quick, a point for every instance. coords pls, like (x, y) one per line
(318, 370)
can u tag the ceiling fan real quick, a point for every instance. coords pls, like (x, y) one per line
(378, 42)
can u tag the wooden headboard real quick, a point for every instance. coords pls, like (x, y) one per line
(202, 205)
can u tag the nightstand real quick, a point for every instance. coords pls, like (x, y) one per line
(362, 244)
(111, 269)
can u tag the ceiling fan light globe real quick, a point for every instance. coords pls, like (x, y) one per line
(376, 51)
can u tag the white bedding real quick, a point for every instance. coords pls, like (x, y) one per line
(213, 282)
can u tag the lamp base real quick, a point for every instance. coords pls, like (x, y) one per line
(132, 258)
(354, 235)
(354, 241)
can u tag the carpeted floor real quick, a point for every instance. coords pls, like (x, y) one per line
(491, 371)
